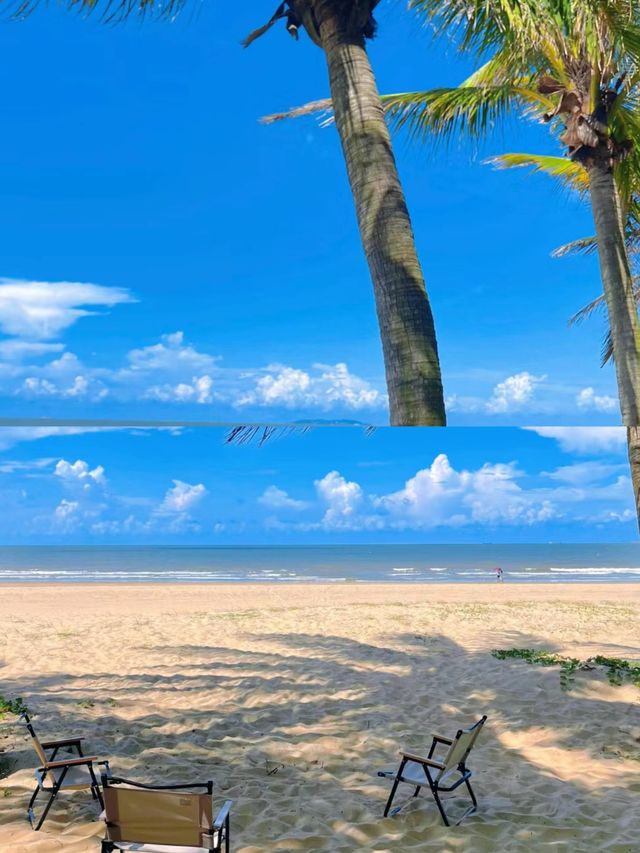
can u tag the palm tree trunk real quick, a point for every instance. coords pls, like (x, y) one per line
(618, 287)
(617, 284)
(404, 314)
(633, 443)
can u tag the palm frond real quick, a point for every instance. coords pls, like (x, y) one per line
(281, 12)
(260, 433)
(110, 11)
(599, 305)
(244, 434)
(325, 105)
(584, 246)
(588, 311)
(445, 113)
(569, 174)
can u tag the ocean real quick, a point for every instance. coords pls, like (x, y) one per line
(551, 563)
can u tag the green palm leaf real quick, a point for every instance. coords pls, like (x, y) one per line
(570, 174)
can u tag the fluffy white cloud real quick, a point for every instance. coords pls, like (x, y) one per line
(585, 440)
(199, 390)
(330, 385)
(41, 310)
(342, 499)
(513, 392)
(181, 497)
(276, 498)
(80, 386)
(172, 355)
(66, 516)
(494, 495)
(588, 399)
(440, 495)
(79, 472)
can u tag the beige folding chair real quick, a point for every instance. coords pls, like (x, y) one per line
(445, 775)
(72, 773)
(163, 818)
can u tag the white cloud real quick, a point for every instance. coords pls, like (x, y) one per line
(171, 356)
(11, 466)
(79, 472)
(332, 384)
(41, 310)
(513, 392)
(199, 390)
(80, 386)
(588, 399)
(342, 499)
(583, 473)
(276, 498)
(181, 497)
(66, 516)
(585, 440)
(10, 436)
(441, 495)
(17, 350)
(493, 495)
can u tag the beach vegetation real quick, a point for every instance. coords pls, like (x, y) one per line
(12, 706)
(618, 670)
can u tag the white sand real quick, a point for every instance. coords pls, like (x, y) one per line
(291, 697)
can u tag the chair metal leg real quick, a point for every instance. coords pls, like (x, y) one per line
(32, 801)
(417, 791)
(394, 788)
(472, 795)
(436, 797)
(95, 787)
(54, 793)
(45, 811)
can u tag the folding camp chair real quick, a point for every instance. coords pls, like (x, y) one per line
(445, 775)
(163, 818)
(75, 772)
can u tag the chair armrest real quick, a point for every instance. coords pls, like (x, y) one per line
(440, 739)
(422, 760)
(71, 741)
(222, 815)
(71, 762)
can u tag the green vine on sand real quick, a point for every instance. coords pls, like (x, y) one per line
(12, 706)
(618, 670)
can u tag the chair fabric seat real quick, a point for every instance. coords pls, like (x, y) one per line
(137, 847)
(75, 778)
(414, 772)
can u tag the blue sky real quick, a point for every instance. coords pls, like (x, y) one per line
(212, 266)
(187, 487)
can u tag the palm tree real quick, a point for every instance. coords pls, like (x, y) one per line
(340, 28)
(571, 175)
(576, 65)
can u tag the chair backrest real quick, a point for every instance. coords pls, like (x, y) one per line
(35, 743)
(461, 747)
(154, 816)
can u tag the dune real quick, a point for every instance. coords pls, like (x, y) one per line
(291, 697)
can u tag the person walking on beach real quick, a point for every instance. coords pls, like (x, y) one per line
(499, 574)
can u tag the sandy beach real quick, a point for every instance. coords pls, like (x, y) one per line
(291, 697)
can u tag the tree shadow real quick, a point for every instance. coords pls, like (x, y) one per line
(294, 728)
